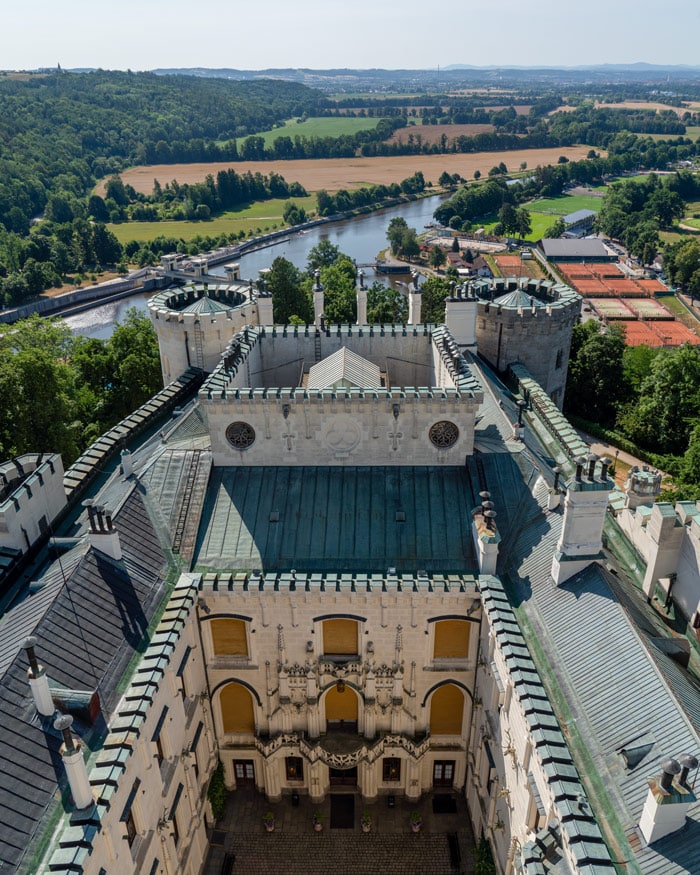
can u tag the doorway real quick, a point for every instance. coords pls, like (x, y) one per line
(443, 773)
(244, 772)
(343, 777)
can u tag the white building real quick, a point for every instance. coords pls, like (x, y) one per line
(383, 586)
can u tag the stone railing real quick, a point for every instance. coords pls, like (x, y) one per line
(370, 751)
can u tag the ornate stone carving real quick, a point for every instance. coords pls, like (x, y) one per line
(240, 435)
(443, 434)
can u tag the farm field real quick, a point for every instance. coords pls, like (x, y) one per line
(258, 218)
(333, 174)
(434, 133)
(317, 127)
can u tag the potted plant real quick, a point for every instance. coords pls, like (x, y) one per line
(366, 821)
(416, 821)
(269, 821)
(318, 821)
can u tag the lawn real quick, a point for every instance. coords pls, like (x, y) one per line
(681, 312)
(318, 127)
(568, 203)
(540, 223)
(258, 218)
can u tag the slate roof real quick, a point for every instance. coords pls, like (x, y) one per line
(606, 678)
(519, 299)
(87, 630)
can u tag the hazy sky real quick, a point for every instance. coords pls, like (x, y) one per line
(144, 34)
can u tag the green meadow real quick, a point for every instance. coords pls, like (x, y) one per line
(256, 218)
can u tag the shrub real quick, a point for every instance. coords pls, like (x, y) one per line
(217, 792)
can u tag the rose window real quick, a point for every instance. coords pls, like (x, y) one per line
(240, 435)
(443, 434)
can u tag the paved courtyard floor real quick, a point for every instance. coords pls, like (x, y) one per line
(240, 844)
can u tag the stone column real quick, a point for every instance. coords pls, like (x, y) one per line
(368, 779)
(273, 787)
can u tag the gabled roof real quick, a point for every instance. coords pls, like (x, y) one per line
(344, 367)
(88, 625)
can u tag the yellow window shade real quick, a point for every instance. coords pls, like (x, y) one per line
(341, 706)
(237, 709)
(451, 639)
(446, 709)
(339, 637)
(229, 637)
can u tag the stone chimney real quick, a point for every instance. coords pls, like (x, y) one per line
(102, 535)
(127, 464)
(668, 800)
(665, 533)
(72, 756)
(361, 298)
(585, 506)
(318, 298)
(38, 681)
(460, 317)
(485, 534)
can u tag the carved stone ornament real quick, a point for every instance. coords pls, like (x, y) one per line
(240, 435)
(443, 434)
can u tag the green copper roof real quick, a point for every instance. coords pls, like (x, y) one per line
(338, 519)
(205, 305)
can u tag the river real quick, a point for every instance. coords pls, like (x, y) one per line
(361, 238)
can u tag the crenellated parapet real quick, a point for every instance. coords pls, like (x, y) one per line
(261, 411)
(527, 321)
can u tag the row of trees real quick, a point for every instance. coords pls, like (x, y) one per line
(59, 392)
(228, 190)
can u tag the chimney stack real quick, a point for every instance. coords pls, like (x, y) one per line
(127, 464)
(103, 536)
(38, 681)
(668, 800)
(415, 298)
(72, 756)
(585, 506)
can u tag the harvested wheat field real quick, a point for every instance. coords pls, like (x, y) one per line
(333, 174)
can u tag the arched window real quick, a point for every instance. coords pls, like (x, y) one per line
(340, 637)
(237, 712)
(446, 710)
(451, 639)
(229, 637)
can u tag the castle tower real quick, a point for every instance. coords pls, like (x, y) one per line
(530, 322)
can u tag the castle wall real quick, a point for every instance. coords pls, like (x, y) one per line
(148, 777)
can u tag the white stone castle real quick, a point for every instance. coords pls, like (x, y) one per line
(353, 559)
